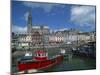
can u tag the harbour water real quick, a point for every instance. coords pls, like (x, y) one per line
(76, 63)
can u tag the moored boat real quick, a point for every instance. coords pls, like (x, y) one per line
(39, 62)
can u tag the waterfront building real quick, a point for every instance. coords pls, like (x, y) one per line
(14, 40)
(42, 29)
(59, 37)
(23, 40)
(83, 36)
(37, 38)
(93, 36)
(52, 39)
(40, 33)
(69, 35)
(64, 36)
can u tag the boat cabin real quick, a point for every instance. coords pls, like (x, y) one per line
(41, 55)
(28, 54)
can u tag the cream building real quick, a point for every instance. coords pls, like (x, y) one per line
(23, 40)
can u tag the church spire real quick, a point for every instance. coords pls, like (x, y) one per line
(29, 26)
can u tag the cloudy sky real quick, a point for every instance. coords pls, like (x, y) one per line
(56, 16)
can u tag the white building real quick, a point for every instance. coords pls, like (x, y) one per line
(83, 36)
(24, 40)
(70, 37)
(57, 37)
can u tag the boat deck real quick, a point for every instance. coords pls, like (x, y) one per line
(29, 59)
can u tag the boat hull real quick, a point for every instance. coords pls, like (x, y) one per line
(39, 65)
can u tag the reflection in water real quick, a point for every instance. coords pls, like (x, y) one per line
(77, 63)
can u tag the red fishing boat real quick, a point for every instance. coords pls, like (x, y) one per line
(39, 62)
